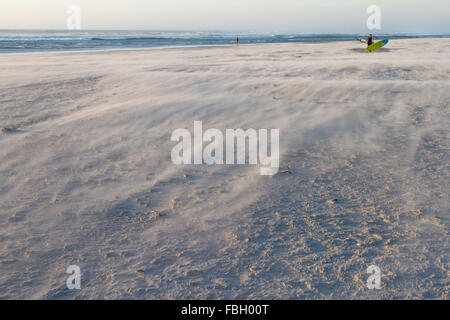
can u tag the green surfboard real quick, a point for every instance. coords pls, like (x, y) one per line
(376, 46)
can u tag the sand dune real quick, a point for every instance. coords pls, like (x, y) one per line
(87, 179)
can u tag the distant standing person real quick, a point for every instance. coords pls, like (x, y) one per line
(237, 41)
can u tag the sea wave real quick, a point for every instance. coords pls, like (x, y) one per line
(42, 41)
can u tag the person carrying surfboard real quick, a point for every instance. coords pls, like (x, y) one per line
(369, 40)
(371, 46)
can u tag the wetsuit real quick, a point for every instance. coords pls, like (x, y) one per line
(369, 41)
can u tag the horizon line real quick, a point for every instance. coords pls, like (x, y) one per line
(224, 30)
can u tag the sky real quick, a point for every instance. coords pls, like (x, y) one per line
(329, 16)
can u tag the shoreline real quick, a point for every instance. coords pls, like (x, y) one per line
(121, 50)
(205, 46)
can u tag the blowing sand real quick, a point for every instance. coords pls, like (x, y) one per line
(87, 179)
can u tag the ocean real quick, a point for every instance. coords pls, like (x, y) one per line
(15, 41)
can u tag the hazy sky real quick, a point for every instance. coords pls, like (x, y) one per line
(425, 16)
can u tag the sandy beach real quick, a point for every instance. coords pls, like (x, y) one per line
(87, 178)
